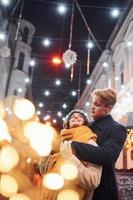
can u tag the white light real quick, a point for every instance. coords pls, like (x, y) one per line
(38, 112)
(89, 81)
(74, 93)
(54, 121)
(129, 44)
(47, 93)
(58, 82)
(87, 103)
(46, 42)
(26, 80)
(105, 64)
(115, 12)
(40, 137)
(40, 105)
(20, 90)
(53, 181)
(90, 45)
(23, 109)
(32, 63)
(122, 86)
(117, 78)
(5, 2)
(48, 116)
(67, 66)
(59, 114)
(64, 119)
(64, 105)
(61, 9)
(2, 36)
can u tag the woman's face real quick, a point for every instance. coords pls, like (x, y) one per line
(99, 109)
(76, 120)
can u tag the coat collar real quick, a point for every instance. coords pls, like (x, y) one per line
(103, 122)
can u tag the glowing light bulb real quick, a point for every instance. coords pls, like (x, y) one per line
(53, 181)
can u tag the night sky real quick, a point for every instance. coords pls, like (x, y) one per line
(50, 24)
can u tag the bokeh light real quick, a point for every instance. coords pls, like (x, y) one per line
(23, 109)
(9, 158)
(19, 197)
(68, 171)
(8, 185)
(68, 194)
(53, 181)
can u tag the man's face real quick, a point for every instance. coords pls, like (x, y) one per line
(76, 120)
(99, 109)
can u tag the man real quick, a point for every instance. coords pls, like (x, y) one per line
(110, 138)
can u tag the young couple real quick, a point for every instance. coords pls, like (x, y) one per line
(94, 148)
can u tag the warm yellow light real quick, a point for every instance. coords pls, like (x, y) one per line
(23, 181)
(42, 150)
(8, 185)
(68, 194)
(4, 135)
(9, 158)
(40, 137)
(56, 60)
(19, 197)
(23, 109)
(53, 181)
(68, 171)
(2, 110)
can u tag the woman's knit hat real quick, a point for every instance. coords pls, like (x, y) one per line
(85, 116)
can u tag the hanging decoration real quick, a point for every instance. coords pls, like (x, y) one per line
(90, 34)
(70, 57)
(5, 52)
(88, 62)
(88, 59)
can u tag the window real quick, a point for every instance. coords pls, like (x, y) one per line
(15, 92)
(21, 61)
(25, 35)
(122, 74)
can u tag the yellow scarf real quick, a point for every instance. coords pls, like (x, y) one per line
(78, 134)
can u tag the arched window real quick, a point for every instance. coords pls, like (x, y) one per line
(21, 61)
(25, 35)
(15, 92)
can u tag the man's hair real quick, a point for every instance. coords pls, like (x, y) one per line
(108, 95)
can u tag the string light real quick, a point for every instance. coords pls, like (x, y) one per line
(5, 2)
(46, 42)
(2, 36)
(62, 9)
(129, 140)
(115, 12)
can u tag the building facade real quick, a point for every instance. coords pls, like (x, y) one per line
(15, 67)
(115, 69)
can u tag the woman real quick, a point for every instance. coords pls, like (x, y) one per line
(88, 179)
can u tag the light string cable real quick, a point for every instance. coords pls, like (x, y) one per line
(19, 20)
(88, 28)
(71, 26)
